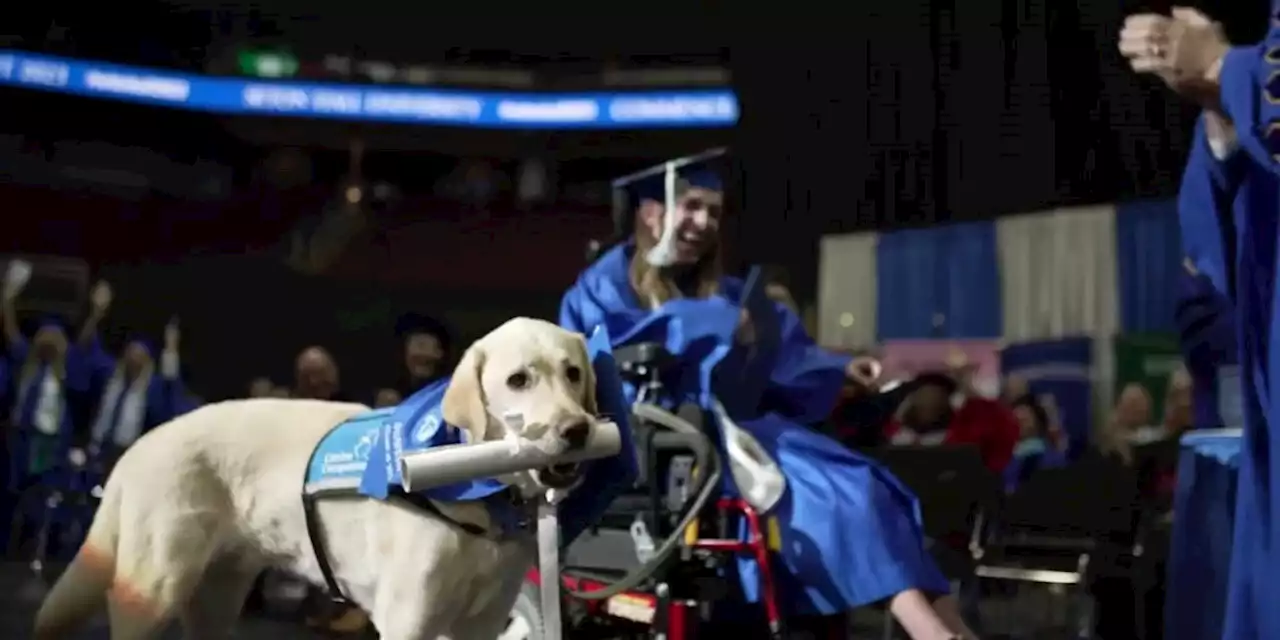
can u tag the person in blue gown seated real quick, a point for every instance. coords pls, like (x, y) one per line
(1037, 447)
(138, 396)
(54, 379)
(1228, 202)
(849, 531)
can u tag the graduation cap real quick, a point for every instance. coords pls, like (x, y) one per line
(415, 323)
(665, 183)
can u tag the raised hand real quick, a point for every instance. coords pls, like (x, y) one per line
(172, 335)
(100, 297)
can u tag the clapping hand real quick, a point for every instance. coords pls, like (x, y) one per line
(864, 371)
(1184, 49)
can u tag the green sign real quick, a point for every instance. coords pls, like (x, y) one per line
(267, 64)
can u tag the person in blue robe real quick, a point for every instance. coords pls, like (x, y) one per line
(1228, 205)
(143, 391)
(849, 532)
(54, 377)
(1037, 448)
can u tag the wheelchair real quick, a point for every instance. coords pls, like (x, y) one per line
(676, 498)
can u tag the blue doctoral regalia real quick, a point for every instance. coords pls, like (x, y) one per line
(849, 531)
(376, 440)
(1237, 199)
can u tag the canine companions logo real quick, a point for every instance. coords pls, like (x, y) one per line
(427, 427)
(355, 460)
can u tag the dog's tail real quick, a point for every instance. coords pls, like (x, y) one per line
(81, 590)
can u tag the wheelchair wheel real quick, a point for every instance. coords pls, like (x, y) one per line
(525, 621)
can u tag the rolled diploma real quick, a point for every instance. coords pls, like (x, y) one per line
(440, 466)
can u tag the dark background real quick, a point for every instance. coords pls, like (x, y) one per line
(878, 116)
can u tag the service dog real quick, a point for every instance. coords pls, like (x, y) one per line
(199, 506)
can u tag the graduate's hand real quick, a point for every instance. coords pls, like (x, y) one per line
(100, 298)
(172, 335)
(864, 371)
(1185, 50)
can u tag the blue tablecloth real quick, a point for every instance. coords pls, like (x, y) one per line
(1200, 551)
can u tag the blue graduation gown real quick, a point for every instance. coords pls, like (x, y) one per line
(1243, 192)
(849, 531)
(1207, 330)
(32, 454)
(166, 399)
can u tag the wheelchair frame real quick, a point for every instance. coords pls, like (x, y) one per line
(667, 614)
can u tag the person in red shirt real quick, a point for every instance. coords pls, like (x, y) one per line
(942, 411)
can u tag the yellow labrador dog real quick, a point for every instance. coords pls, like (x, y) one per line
(198, 507)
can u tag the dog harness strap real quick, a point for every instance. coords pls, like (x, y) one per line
(312, 520)
(318, 545)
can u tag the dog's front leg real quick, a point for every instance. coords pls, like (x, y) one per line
(415, 601)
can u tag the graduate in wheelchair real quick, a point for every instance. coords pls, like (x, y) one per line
(845, 533)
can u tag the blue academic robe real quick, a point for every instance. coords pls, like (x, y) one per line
(32, 453)
(849, 531)
(1242, 192)
(1207, 330)
(166, 399)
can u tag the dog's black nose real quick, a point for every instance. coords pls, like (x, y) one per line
(575, 434)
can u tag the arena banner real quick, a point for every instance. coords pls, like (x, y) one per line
(1147, 359)
(1059, 373)
(905, 358)
(704, 108)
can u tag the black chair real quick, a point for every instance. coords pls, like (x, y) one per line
(1066, 526)
(957, 493)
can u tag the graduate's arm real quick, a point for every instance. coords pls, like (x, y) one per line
(807, 378)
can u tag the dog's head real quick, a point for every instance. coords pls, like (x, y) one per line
(532, 380)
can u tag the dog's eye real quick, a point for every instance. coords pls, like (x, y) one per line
(574, 374)
(518, 380)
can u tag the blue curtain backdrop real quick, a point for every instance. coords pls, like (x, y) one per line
(1149, 253)
(939, 282)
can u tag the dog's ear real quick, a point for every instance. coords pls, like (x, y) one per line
(463, 404)
(588, 379)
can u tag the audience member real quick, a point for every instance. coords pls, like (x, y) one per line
(136, 397)
(261, 387)
(316, 375)
(941, 410)
(426, 345)
(1038, 447)
(1130, 424)
(54, 384)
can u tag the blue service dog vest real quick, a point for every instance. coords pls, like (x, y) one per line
(361, 456)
